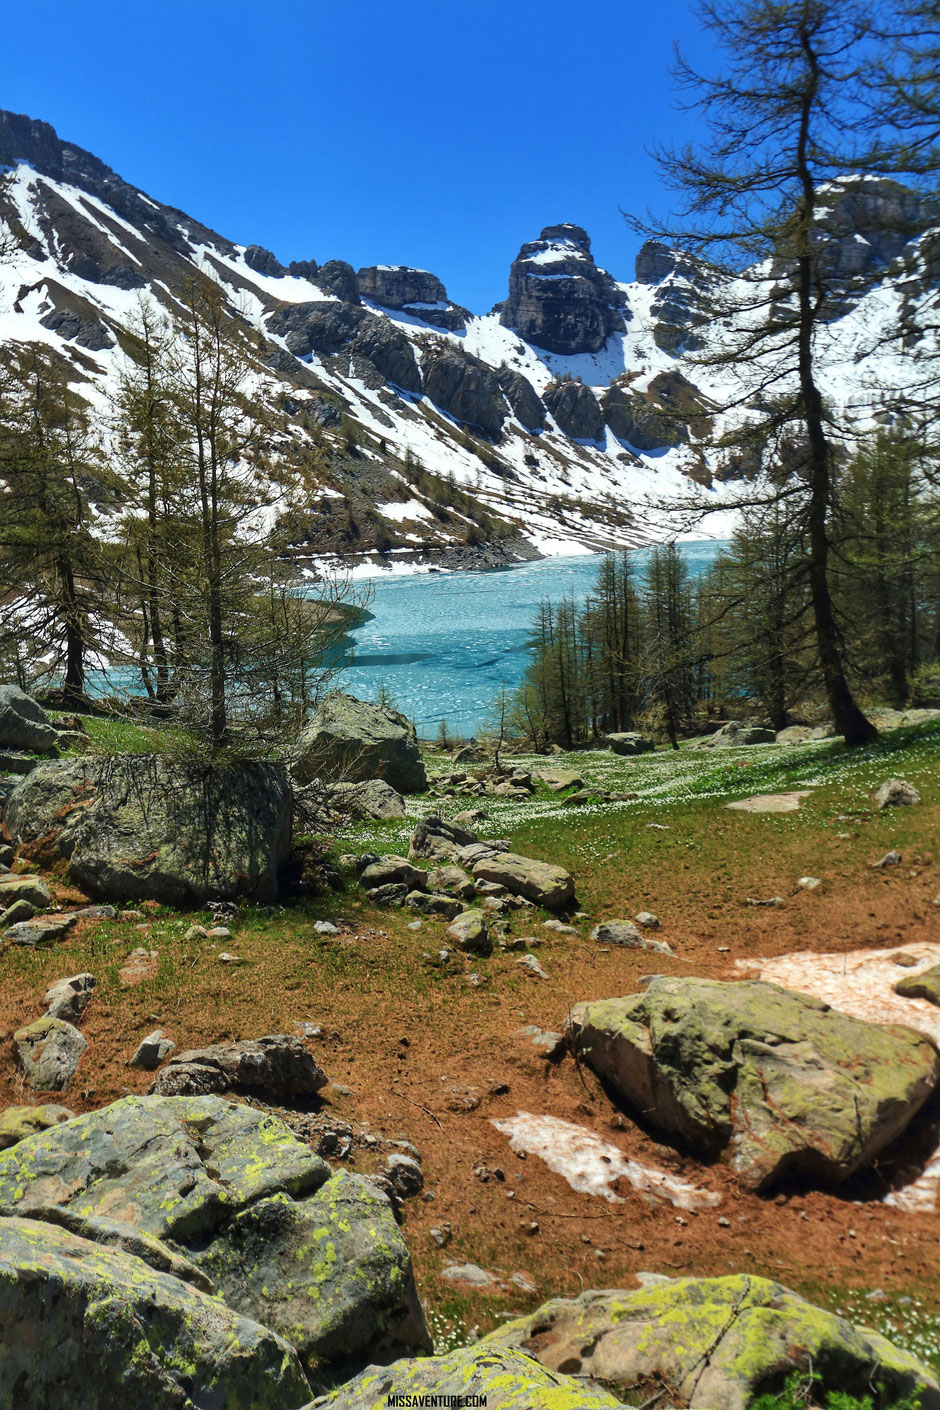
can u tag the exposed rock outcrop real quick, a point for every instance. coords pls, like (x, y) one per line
(718, 1343)
(576, 409)
(559, 299)
(332, 327)
(24, 724)
(226, 1197)
(465, 388)
(350, 740)
(539, 882)
(87, 1327)
(777, 1082)
(413, 291)
(523, 400)
(502, 1379)
(273, 1067)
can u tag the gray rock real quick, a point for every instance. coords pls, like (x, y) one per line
(353, 740)
(624, 934)
(439, 840)
(558, 297)
(734, 734)
(465, 388)
(431, 905)
(392, 894)
(405, 1175)
(373, 798)
(775, 1081)
(629, 743)
(42, 930)
(498, 1379)
(16, 914)
(74, 1316)
(546, 885)
(262, 261)
(181, 833)
(69, 998)
(469, 932)
(925, 985)
(278, 1065)
(23, 723)
(235, 1193)
(531, 965)
(43, 803)
(576, 410)
(24, 888)
(647, 920)
(391, 870)
(526, 407)
(152, 1050)
(454, 879)
(47, 1053)
(895, 793)
(740, 1336)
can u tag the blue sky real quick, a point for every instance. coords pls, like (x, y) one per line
(437, 133)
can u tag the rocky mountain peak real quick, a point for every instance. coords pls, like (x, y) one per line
(401, 287)
(559, 299)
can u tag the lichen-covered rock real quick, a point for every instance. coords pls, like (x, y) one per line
(351, 740)
(31, 889)
(429, 904)
(776, 1082)
(316, 1256)
(86, 1327)
(625, 934)
(23, 723)
(502, 1379)
(277, 1065)
(437, 839)
(541, 882)
(470, 933)
(47, 1053)
(181, 833)
(925, 985)
(18, 1122)
(40, 930)
(42, 803)
(373, 798)
(716, 1342)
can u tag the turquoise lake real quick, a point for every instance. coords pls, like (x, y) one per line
(446, 643)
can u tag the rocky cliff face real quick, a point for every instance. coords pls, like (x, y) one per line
(559, 299)
(413, 291)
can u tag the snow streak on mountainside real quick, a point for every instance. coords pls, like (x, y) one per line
(547, 426)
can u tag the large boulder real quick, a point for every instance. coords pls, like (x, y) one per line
(629, 743)
(350, 740)
(42, 803)
(373, 798)
(439, 840)
(276, 1066)
(718, 1343)
(23, 723)
(231, 1191)
(137, 827)
(87, 1327)
(734, 734)
(498, 1378)
(47, 1053)
(540, 882)
(776, 1082)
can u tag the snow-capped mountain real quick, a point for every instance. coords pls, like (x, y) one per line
(545, 426)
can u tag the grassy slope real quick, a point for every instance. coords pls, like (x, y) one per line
(371, 988)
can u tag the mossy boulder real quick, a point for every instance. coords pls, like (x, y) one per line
(317, 1257)
(925, 985)
(776, 1082)
(148, 827)
(87, 1327)
(350, 740)
(18, 1122)
(501, 1379)
(715, 1342)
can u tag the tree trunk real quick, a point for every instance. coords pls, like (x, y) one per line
(848, 719)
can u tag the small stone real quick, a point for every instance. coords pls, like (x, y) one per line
(152, 1050)
(326, 927)
(69, 998)
(405, 1175)
(47, 1053)
(724, 1223)
(227, 958)
(219, 932)
(890, 859)
(776, 901)
(531, 965)
(414, 925)
(895, 793)
(647, 920)
(441, 1235)
(559, 927)
(809, 883)
(196, 932)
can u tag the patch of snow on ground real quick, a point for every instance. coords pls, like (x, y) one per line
(591, 1165)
